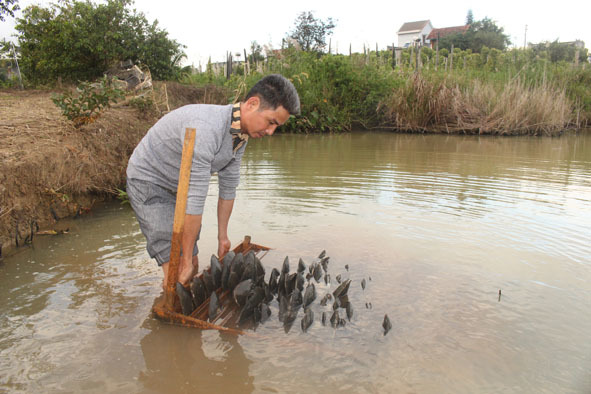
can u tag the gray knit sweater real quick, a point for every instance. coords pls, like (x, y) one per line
(157, 157)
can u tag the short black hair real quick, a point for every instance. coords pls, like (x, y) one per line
(275, 90)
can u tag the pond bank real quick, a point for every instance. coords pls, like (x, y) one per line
(50, 170)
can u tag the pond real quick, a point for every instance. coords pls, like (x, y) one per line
(439, 223)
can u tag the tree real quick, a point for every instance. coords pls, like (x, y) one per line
(311, 33)
(7, 7)
(78, 40)
(483, 33)
(469, 17)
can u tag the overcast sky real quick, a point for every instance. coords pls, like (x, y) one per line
(210, 28)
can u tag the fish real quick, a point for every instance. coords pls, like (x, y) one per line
(213, 306)
(324, 318)
(185, 298)
(343, 300)
(342, 289)
(225, 274)
(216, 271)
(347, 267)
(349, 310)
(233, 281)
(338, 278)
(324, 263)
(265, 312)
(301, 266)
(248, 272)
(268, 295)
(309, 295)
(238, 265)
(242, 291)
(255, 297)
(283, 305)
(227, 260)
(317, 273)
(198, 291)
(325, 299)
(208, 282)
(273, 280)
(322, 254)
(285, 267)
(363, 283)
(290, 283)
(300, 281)
(341, 323)
(227, 268)
(334, 319)
(327, 279)
(259, 271)
(295, 303)
(386, 324)
(308, 319)
(336, 304)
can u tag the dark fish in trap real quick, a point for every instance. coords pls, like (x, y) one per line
(301, 266)
(185, 298)
(216, 271)
(342, 289)
(273, 280)
(198, 290)
(386, 324)
(242, 291)
(363, 283)
(308, 319)
(214, 305)
(349, 310)
(208, 282)
(309, 295)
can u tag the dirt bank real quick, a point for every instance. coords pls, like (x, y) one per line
(50, 170)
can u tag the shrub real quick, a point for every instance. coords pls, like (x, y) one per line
(90, 101)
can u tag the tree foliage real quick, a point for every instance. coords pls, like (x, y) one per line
(311, 33)
(7, 7)
(78, 40)
(483, 33)
(469, 17)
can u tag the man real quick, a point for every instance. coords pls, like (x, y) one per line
(221, 137)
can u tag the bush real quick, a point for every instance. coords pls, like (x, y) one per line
(90, 101)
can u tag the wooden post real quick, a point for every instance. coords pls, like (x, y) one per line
(393, 56)
(329, 45)
(18, 70)
(451, 59)
(246, 63)
(179, 217)
(437, 52)
(350, 53)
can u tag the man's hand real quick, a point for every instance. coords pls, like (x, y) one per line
(223, 246)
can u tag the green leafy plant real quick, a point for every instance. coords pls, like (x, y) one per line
(90, 101)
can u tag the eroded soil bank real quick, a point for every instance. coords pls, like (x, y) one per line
(49, 170)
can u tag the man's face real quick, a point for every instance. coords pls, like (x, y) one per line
(257, 122)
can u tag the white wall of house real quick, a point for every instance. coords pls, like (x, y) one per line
(410, 37)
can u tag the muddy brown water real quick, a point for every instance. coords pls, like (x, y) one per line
(439, 223)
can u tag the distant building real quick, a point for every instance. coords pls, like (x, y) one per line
(412, 32)
(438, 34)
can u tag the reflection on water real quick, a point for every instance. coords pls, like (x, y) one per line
(440, 224)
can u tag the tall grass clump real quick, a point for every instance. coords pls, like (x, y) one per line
(433, 103)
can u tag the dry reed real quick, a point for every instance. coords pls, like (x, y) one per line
(423, 105)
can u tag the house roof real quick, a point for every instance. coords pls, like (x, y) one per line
(445, 31)
(410, 27)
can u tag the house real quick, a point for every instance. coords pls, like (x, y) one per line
(437, 34)
(412, 32)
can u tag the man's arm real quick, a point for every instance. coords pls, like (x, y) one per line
(224, 212)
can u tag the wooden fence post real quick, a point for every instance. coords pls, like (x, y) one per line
(451, 59)
(437, 52)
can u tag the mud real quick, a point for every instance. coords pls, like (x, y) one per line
(49, 170)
